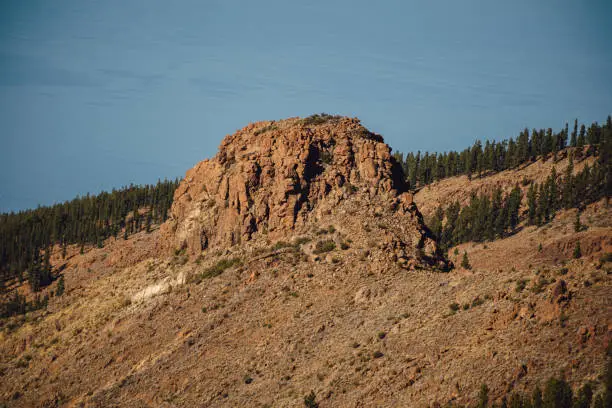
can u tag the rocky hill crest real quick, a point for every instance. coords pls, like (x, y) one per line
(278, 179)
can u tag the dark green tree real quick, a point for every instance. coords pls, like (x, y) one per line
(532, 204)
(573, 139)
(483, 397)
(465, 262)
(310, 401)
(59, 290)
(581, 137)
(557, 394)
(584, 397)
(514, 204)
(536, 398)
(577, 251)
(577, 224)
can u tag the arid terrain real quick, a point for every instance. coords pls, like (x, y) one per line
(296, 260)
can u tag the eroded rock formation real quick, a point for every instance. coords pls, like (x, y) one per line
(277, 179)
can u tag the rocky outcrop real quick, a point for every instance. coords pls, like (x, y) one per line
(276, 179)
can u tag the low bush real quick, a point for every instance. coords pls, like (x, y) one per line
(324, 246)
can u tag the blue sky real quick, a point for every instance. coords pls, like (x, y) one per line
(100, 94)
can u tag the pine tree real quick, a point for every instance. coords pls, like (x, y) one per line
(514, 204)
(483, 397)
(557, 394)
(435, 224)
(465, 262)
(577, 251)
(542, 211)
(584, 397)
(564, 135)
(449, 233)
(532, 204)
(552, 193)
(581, 137)
(537, 398)
(536, 143)
(496, 208)
(577, 224)
(522, 149)
(573, 140)
(568, 183)
(59, 291)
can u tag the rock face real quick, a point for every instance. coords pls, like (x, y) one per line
(277, 179)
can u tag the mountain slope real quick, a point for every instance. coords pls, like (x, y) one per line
(343, 302)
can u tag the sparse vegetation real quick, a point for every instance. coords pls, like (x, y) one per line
(265, 129)
(319, 119)
(217, 269)
(520, 285)
(324, 246)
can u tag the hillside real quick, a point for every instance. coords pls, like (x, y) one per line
(460, 188)
(296, 260)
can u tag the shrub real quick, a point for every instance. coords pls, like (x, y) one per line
(326, 157)
(265, 129)
(454, 307)
(301, 240)
(218, 268)
(520, 285)
(310, 401)
(377, 354)
(538, 287)
(382, 335)
(319, 118)
(607, 257)
(281, 245)
(324, 246)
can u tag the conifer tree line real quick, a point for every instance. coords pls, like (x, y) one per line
(557, 393)
(483, 219)
(26, 237)
(422, 169)
(486, 218)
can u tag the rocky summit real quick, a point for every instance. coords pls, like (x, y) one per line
(278, 179)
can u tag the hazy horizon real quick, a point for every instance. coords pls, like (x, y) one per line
(100, 95)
